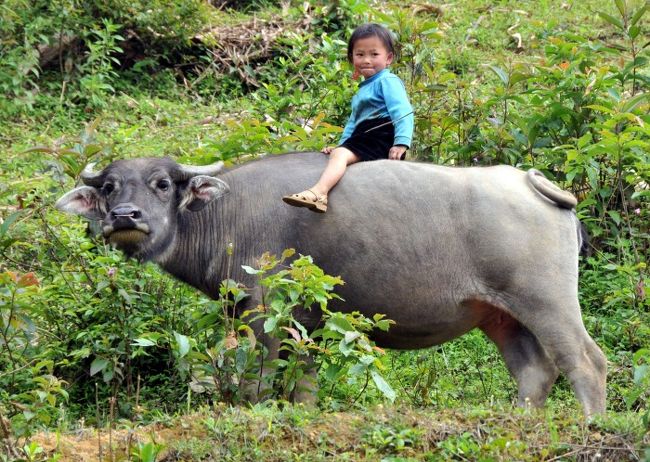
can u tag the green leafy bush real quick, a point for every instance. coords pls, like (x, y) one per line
(81, 45)
(237, 357)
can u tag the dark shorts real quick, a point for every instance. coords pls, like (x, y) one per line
(370, 143)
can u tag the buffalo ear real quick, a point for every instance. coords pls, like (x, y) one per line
(201, 190)
(85, 201)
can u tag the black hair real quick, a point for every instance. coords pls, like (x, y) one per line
(371, 30)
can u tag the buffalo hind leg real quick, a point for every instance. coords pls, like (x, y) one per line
(558, 327)
(583, 362)
(530, 365)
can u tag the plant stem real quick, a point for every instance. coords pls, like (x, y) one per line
(5, 336)
(98, 419)
(363, 389)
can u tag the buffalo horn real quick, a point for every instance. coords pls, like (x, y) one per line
(188, 171)
(90, 177)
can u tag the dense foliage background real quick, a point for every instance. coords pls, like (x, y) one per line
(87, 338)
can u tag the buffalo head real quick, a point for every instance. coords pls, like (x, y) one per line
(139, 202)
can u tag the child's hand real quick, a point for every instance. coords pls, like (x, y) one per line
(396, 152)
(327, 149)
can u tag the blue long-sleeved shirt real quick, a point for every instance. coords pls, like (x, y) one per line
(382, 95)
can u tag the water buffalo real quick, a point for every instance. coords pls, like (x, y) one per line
(440, 250)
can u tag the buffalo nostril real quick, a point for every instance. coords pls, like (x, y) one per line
(126, 212)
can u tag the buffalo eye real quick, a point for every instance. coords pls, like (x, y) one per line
(108, 188)
(163, 185)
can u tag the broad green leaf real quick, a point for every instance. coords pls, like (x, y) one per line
(598, 107)
(611, 19)
(48, 363)
(288, 253)
(351, 336)
(620, 4)
(639, 13)
(182, 344)
(143, 342)
(125, 296)
(239, 295)
(332, 371)
(633, 31)
(91, 149)
(367, 360)
(384, 324)
(278, 305)
(46, 149)
(321, 299)
(270, 324)
(614, 93)
(345, 348)
(615, 216)
(251, 270)
(208, 320)
(98, 365)
(358, 369)
(631, 396)
(503, 75)
(339, 324)
(382, 385)
(107, 375)
(640, 354)
(241, 358)
(640, 372)
(635, 101)
(518, 77)
(4, 227)
(146, 453)
(435, 87)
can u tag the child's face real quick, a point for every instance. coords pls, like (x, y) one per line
(370, 56)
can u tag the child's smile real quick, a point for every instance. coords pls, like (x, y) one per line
(369, 56)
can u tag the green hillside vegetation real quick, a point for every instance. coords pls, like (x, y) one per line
(102, 358)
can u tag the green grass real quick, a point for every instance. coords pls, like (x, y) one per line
(282, 432)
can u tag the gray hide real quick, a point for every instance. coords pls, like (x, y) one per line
(439, 250)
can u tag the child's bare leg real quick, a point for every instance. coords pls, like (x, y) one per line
(315, 198)
(340, 158)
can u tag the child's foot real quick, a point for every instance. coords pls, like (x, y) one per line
(309, 199)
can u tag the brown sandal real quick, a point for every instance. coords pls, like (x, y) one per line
(315, 204)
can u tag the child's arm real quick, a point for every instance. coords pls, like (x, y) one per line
(398, 106)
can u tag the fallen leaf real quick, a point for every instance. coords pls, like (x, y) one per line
(231, 341)
(294, 333)
(27, 280)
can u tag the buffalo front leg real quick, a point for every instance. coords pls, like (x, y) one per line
(529, 364)
(259, 388)
(306, 391)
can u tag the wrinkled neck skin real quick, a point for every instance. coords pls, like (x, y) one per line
(195, 253)
(152, 252)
